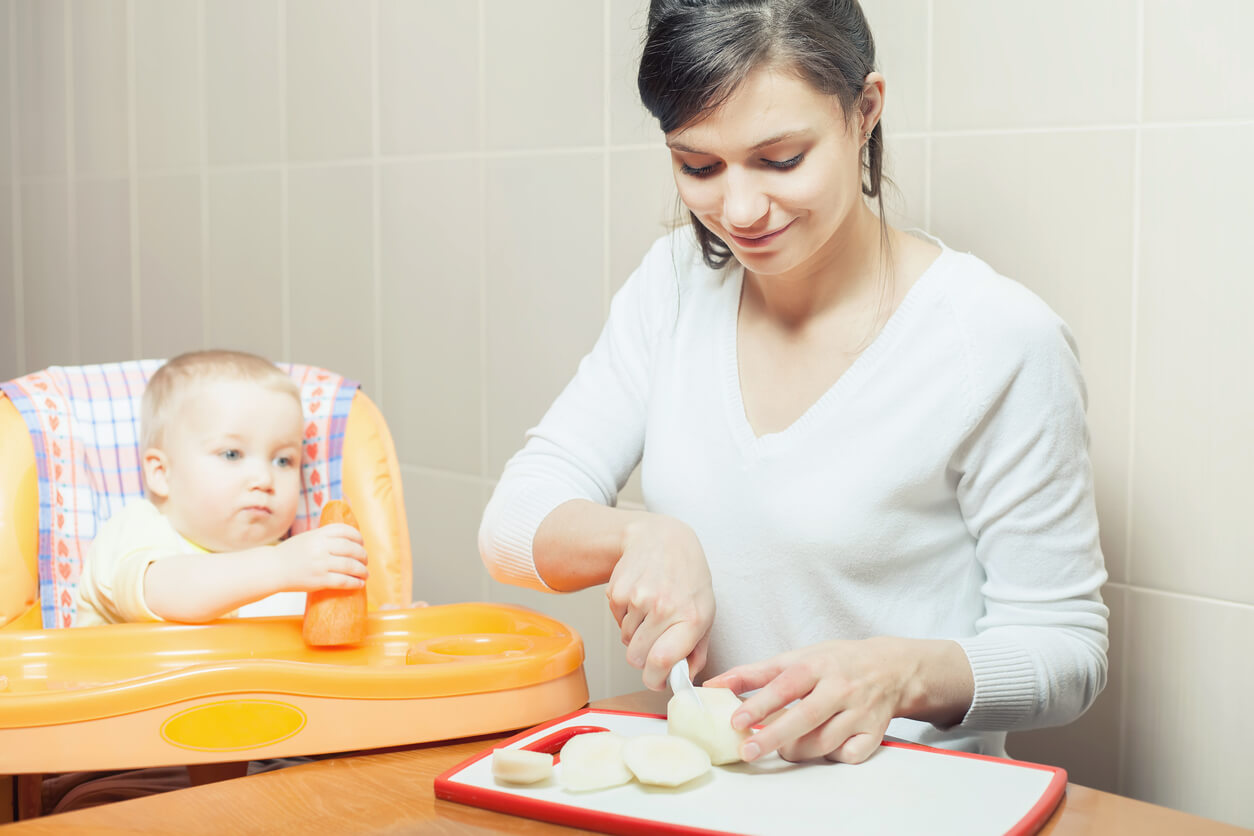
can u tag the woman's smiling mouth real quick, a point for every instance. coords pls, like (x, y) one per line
(760, 240)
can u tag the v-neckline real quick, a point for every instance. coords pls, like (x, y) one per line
(747, 439)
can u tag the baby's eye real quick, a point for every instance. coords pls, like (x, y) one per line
(231, 455)
(284, 461)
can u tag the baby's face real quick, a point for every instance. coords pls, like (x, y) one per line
(233, 454)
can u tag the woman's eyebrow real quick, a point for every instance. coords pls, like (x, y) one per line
(679, 146)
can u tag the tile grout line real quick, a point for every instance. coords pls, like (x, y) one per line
(481, 168)
(285, 266)
(927, 119)
(202, 91)
(1129, 475)
(376, 202)
(606, 67)
(132, 154)
(71, 193)
(15, 198)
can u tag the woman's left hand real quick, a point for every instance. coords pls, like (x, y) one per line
(848, 692)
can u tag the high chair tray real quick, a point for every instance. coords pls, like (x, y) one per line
(133, 695)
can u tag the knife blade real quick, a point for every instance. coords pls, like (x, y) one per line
(680, 681)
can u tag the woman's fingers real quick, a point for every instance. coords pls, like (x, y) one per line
(747, 677)
(856, 749)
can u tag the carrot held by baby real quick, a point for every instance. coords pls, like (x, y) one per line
(335, 616)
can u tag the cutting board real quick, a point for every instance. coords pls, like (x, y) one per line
(902, 789)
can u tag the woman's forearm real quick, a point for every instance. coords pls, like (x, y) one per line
(579, 542)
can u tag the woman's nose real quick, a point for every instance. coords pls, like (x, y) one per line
(744, 203)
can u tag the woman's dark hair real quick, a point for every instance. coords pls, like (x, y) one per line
(698, 52)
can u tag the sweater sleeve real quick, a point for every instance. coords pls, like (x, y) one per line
(592, 437)
(1025, 488)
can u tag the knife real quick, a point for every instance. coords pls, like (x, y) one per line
(681, 681)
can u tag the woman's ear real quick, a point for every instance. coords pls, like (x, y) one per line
(871, 104)
(156, 473)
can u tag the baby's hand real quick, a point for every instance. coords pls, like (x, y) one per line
(329, 557)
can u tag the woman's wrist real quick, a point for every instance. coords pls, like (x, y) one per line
(936, 684)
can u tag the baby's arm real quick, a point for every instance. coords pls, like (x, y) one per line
(196, 588)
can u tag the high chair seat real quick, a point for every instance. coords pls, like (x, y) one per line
(69, 459)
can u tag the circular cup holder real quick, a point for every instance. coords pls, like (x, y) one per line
(468, 648)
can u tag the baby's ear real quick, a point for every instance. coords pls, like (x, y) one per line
(156, 473)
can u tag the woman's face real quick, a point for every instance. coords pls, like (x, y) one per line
(774, 172)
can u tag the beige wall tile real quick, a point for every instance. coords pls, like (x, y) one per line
(443, 513)
(1088, 748)
(1012, 65)
(545, 287)
(630, 123)
(171, 275)
(168, 100)
(905, 197)
(242, 104)
(900, 30)
(428, 76)
(544, 73)
(1191, 529)
(431, 229)
(1187, 702)
(331, 263)
(643, 207)
(1029, 223)
(329, 94)
(10, 347)
(49, 308)
(41, 79)
(244, 263)
(1198, 63)
(101, 96)
(102, 270)
(584, 612)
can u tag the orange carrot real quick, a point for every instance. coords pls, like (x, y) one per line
(335, 616)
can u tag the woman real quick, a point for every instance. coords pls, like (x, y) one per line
(868, 450)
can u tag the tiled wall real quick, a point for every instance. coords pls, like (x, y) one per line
(440, 196)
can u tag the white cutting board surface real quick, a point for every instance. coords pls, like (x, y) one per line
(897, 791)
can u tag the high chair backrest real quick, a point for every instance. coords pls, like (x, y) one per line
(70, 458)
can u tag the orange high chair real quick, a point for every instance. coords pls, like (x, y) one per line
(126, 696)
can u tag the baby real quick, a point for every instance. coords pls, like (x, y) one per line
(221, 452)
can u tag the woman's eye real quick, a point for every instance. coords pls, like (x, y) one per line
(785, 164)
(231, 455)
(703, 171)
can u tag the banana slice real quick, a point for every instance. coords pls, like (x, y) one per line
(708, 725)
(593, 762)
(520, 766)
(665, 761)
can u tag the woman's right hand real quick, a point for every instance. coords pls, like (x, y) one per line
(661, 596)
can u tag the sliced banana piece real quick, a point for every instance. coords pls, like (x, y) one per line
(708, 725)
(593, 762)
(520, 766)
(664, 760)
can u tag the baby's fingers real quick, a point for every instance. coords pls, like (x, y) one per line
(341, 530)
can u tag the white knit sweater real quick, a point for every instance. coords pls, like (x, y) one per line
(940, 489)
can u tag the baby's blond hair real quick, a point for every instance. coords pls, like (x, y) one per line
(171, 384)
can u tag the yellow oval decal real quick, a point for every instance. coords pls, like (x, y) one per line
(231, 725)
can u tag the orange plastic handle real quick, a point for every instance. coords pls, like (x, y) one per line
(335, 616)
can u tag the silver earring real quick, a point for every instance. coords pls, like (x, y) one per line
(866, 135)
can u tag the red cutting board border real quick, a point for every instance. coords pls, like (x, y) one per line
(573, 816)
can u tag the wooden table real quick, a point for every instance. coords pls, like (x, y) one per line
(391, 792)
